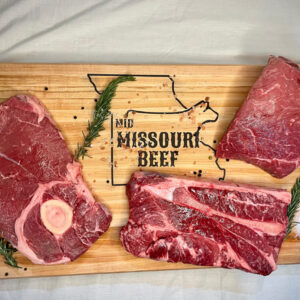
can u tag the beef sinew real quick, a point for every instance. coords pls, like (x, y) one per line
(47, 211)
(180, 219)
(266, 129)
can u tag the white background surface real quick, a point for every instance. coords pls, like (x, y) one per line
(141, 31)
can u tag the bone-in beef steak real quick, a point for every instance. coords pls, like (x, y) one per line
(47, 211)
(266, 129)
(205, 223)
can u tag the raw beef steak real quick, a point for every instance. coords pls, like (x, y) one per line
(204, 222)
(266, 129)
(47, 211)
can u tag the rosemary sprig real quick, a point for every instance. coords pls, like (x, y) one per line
(101, 113)
(7, 251)
(293, 207)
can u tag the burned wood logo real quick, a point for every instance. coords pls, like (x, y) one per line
(152, 129)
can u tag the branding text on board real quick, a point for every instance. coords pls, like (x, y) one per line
(154, 140)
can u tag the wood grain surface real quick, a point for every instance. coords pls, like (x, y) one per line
(170, 98)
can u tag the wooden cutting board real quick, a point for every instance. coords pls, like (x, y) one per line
(163, 99)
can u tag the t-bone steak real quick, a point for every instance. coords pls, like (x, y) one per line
(266, 129)
(47, 211)
(180, 219)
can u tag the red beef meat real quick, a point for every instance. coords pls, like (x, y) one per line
(36, 167)
(205, 222)
(266, 130)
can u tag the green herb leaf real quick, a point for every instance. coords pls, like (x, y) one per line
(101, 113)
(293, 206)
(7, 251)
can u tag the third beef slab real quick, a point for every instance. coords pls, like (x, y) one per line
(266, 130)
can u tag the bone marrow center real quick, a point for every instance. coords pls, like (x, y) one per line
(56, 216)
